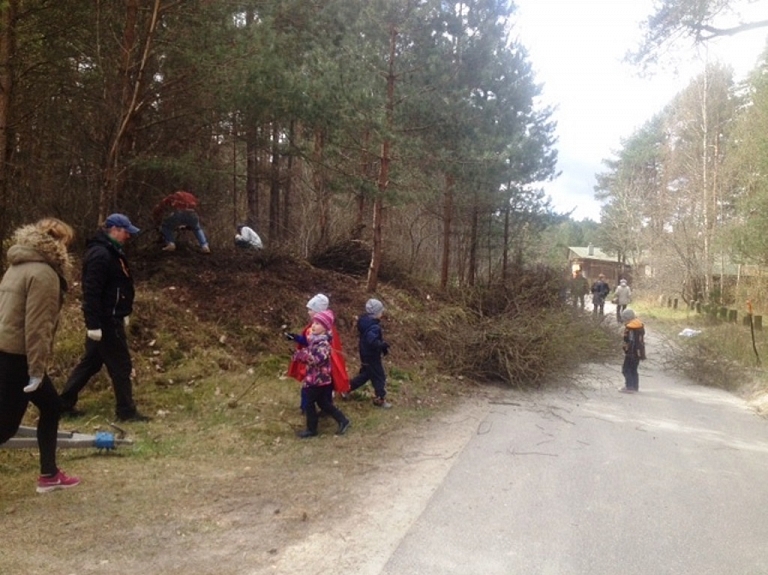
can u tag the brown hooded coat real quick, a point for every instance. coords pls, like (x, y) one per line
(31, 293)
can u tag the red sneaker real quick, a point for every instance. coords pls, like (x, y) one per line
(59, 481)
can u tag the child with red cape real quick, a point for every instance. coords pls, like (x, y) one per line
(319, 303)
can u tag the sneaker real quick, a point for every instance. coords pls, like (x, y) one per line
(343, 426)
(206, 249)
(169, 247)
(59, 481)
(135, 416)
(305, 434)
(382, 403)
(627, 390)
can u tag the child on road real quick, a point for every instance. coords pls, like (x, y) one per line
(317, 378)
(634, 350)
(372, 348)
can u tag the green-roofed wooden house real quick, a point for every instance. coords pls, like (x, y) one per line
(593, 261)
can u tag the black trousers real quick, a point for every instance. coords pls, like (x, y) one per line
(14, 402)
(322, 396)
(112, 351)
(373, 371)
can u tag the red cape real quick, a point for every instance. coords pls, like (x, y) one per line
(339, 375)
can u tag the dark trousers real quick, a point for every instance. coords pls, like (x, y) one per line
(620, 308)
(598, 306)
(322, 396)
(13, 404)
(578, 300)
(372, 370)
(111, 351)
(629, 370)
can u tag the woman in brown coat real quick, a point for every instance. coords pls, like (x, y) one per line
(31, 294)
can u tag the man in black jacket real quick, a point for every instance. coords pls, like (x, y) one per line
(107, 305)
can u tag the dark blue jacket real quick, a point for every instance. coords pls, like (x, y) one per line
(107, 282)
(371, 342)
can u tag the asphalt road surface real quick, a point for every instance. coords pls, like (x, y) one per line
(671, 480)
(581, 480)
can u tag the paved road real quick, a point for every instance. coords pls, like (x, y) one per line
(672, 480)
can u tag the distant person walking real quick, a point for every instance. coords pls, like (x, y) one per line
(579, 289)
(316, 356)
(623, 297)
(600, 290)
(634, 350)
(31, 293)
(107, 305)
(372, 347)
(179, 210)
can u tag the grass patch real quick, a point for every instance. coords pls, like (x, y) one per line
(722, 355)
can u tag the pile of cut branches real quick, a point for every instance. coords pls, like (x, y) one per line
(520, 334)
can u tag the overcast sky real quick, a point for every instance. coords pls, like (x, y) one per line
(576, 48)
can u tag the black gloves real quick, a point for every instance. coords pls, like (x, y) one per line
(289, 336)
(384, 348)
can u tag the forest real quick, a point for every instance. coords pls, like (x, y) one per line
(687, 192)
(410, 125)
(412, 129)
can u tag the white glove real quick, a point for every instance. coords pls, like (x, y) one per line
(34, 383)
(94, 334)
(127, 321)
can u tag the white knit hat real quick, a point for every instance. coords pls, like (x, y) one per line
(318, 303)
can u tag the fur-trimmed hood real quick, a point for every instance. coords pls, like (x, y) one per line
(32, 245)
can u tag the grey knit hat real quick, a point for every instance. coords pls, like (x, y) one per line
(628, 314)
(374, 307)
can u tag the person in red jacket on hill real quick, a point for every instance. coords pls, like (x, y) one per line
(319, 303)
(175, 211)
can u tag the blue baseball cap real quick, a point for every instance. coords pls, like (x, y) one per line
(121, 221)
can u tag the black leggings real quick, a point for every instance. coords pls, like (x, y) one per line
(321, 396)
(13, 404)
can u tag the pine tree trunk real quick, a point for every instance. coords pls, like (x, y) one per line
(447, 223)
(473, 234)
(320, 185)
(288, 191)
(383, 181)
(252, 176)
(126, 104)
(8, 12)
(274, 185)
(505, 250)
